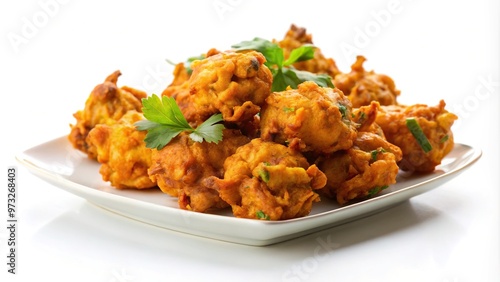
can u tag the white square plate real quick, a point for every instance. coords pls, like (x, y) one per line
(58, 163)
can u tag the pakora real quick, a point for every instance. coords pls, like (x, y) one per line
(267, 180)
(235, 84)
(298, 36)
(180, 167)
(366, 168)
(121, 150)
(435, 122)
(309, 118)
(106, 104)
(281, 151)
(362, 87)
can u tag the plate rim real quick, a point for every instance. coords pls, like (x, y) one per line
(281, 229)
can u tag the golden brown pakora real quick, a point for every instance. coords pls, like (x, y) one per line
(361, 171)
(266, 180)
(123, 155)
(235, 84)
(310, 118)
(435, 122)
(106, 104)
(180, 167)
(362, 87)
(281, 152)
(298, 36)
(366, 168)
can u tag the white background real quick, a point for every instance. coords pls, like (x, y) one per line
(54, 53)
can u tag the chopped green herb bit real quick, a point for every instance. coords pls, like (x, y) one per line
(288, 110)
(362, 117)
(444, 139)
(419, 135)
(375, 190)
(264, 175)
(262, 215)
(343, 110)
(374, 153)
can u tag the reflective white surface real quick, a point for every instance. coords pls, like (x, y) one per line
(432, 50)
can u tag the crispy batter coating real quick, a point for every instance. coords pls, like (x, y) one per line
(122, 152)
(364, 118)
(180, 167)
(366, 168)
(436, 124)
(235, 84)
(310, 118)
(363, 86)
(298, 36)
(361, 171)
(266, 180)
(179, 90)
(106, 104)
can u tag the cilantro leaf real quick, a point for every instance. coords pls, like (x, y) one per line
(187, 63)
(258, 44)
(284, 78)
(210, 130)
(160, 135)
(284, 74)
(164, 121)
(303, 53)
(164, 111)
(323, 80)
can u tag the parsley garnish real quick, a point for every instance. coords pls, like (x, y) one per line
(164, 121)
(284, 74)
(418, 133)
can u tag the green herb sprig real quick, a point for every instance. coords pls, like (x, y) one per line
(284, 74)
(164, 121)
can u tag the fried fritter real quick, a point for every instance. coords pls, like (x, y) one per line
(366, 168)
(180, 167)
(179, 90)
(363, 87)
(436, 124)
(121, 150)
(235, 84)
(364, 118)
(361, 171)
(310, 118)
(298, 36)
(106, 104)
(266, 180)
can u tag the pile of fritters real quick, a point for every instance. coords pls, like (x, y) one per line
(281, 151)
